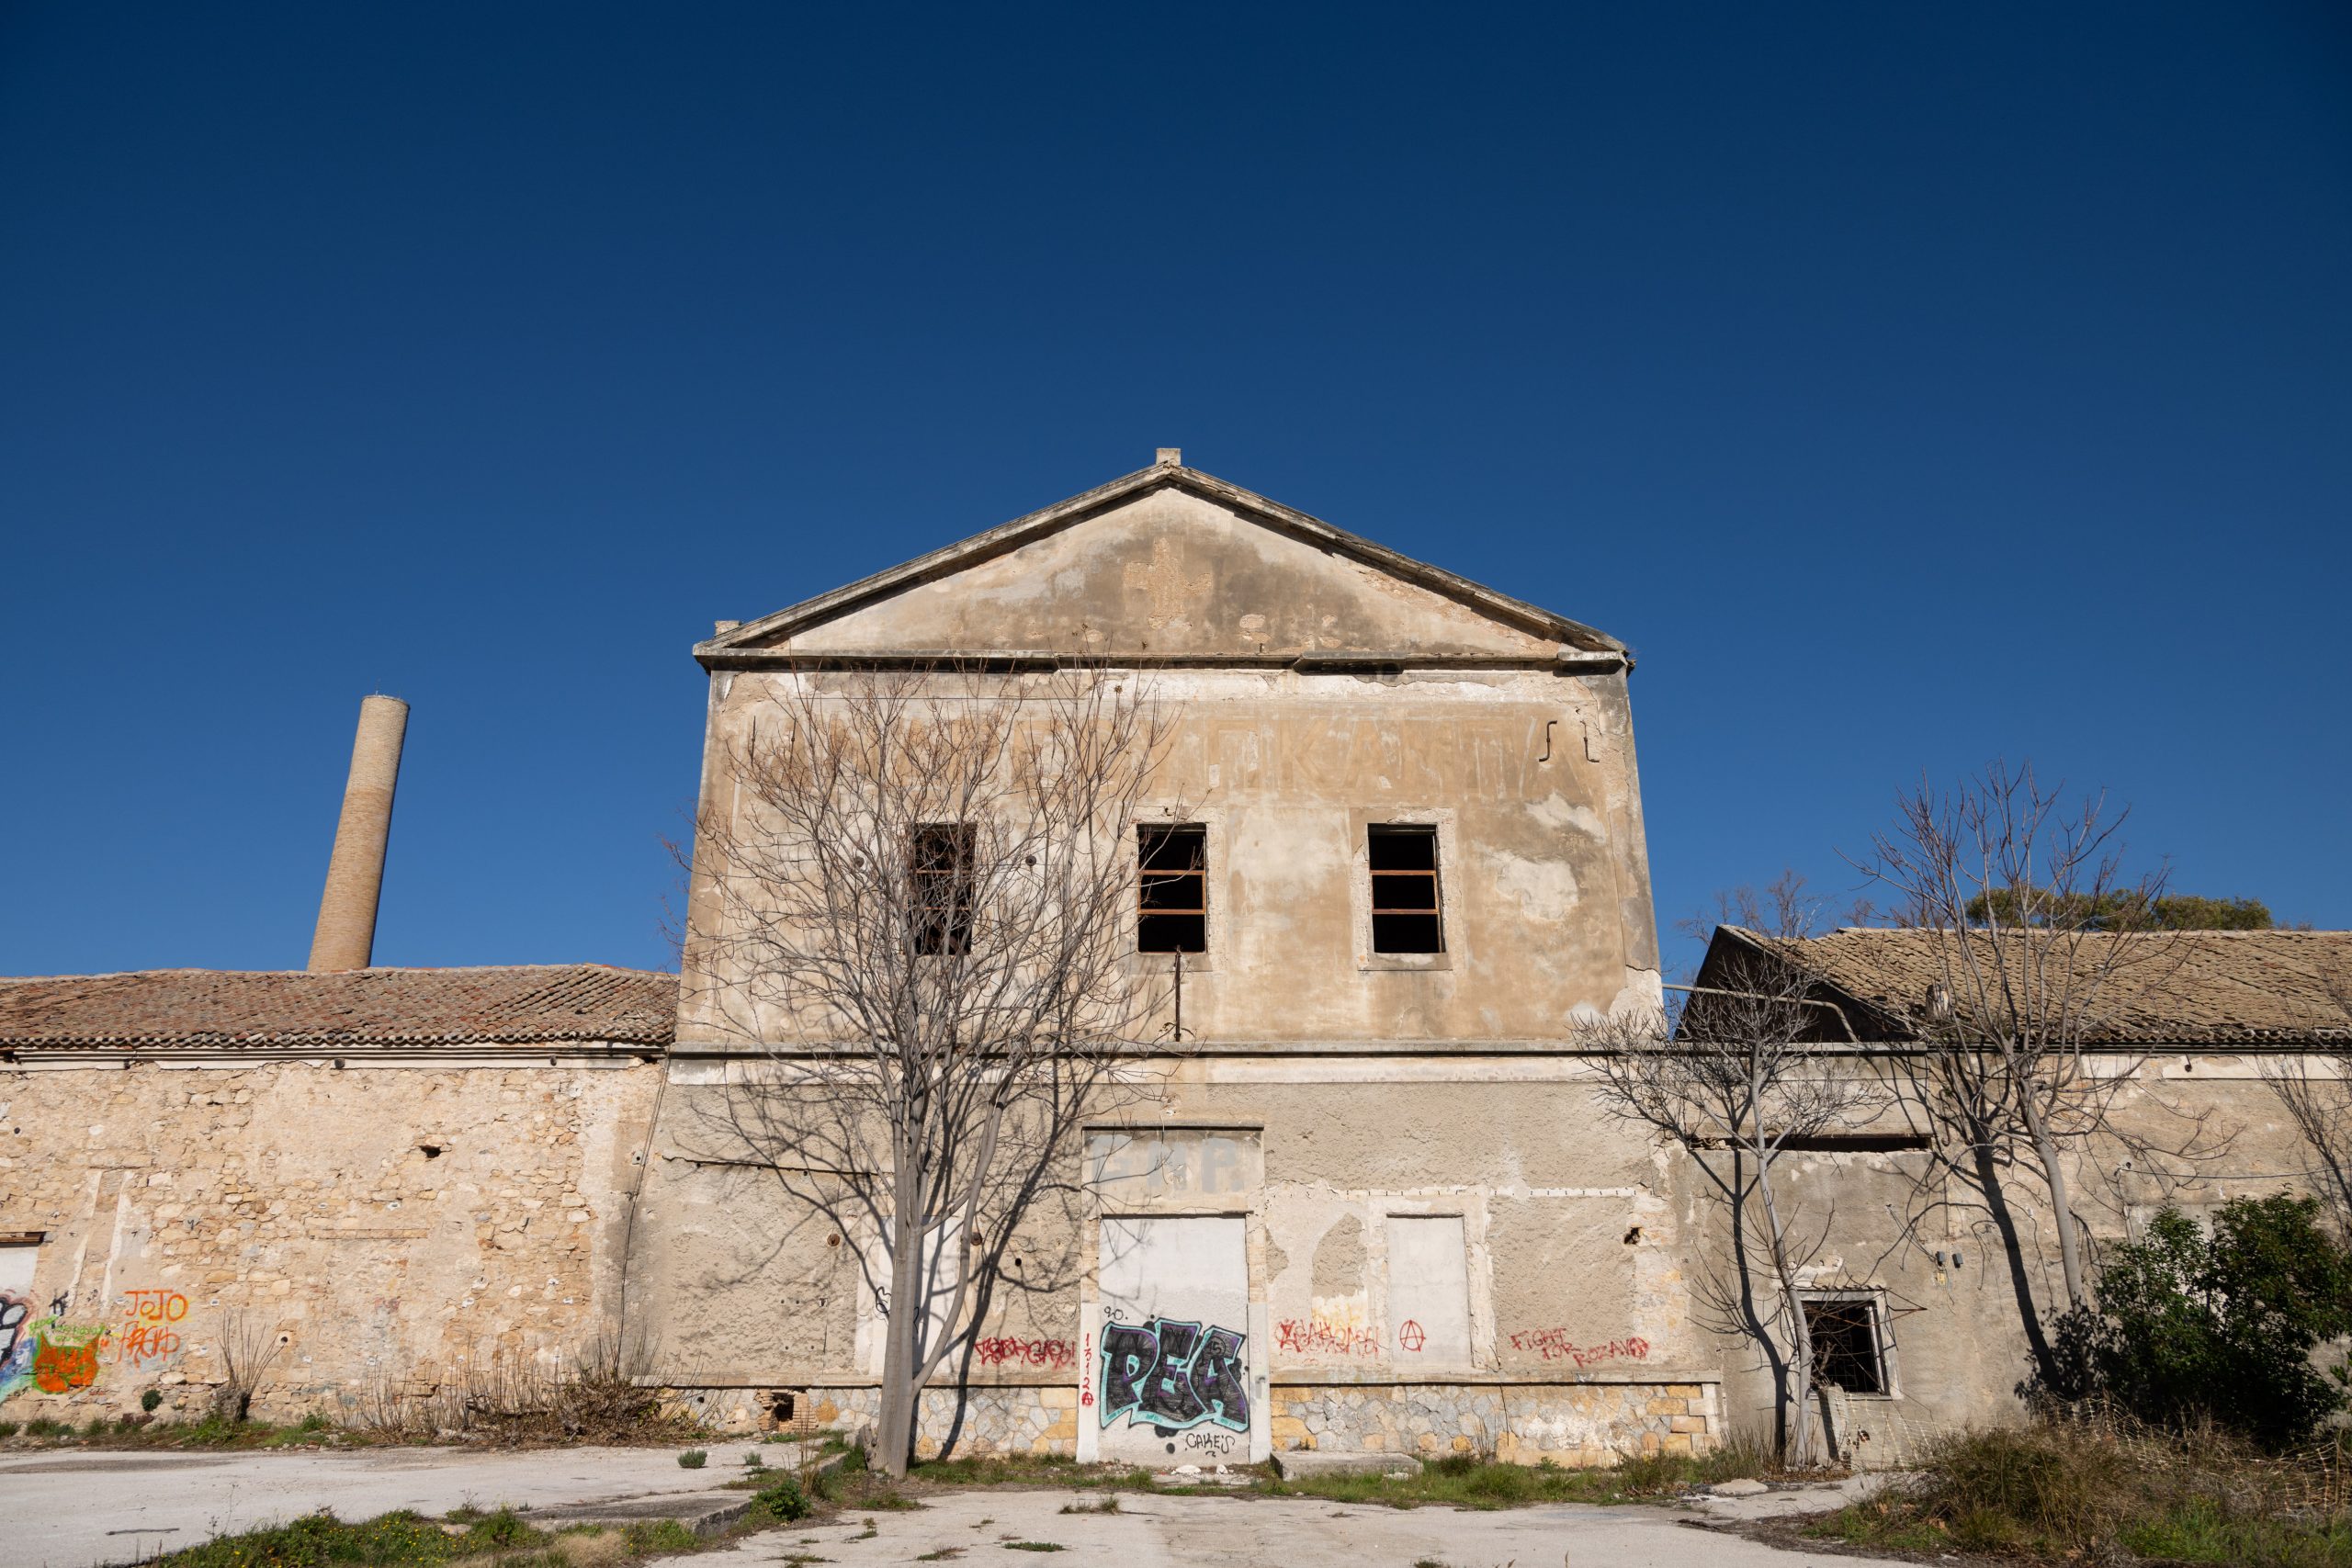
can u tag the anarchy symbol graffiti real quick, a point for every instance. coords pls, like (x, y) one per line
(1410, 1336)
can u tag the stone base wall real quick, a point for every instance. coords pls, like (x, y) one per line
(386, 1229)
(1573, 1426)
(996, 1419)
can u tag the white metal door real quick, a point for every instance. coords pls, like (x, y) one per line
(1171, 1375)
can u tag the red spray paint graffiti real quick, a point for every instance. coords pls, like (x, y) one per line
(1026, 1353)
(1319, 1337)
(1555, 1345)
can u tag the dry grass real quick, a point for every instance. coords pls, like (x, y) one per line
(607, 1394)
(2107, 1490)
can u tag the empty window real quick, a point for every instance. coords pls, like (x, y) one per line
(1172, 882)
(1404, 889)
(939, 869)
(1846, 1349)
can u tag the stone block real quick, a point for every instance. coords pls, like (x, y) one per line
(1687, 1424)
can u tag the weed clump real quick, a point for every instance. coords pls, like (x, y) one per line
(2095, 1490)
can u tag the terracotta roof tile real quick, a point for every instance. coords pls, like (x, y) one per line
(184, 1009)
(2186, 986)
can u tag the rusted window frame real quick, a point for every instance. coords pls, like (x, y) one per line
(1150, 836)
(937, 925)
(1434, 910)
(1872, 1311)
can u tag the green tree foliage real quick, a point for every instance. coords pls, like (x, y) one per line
(2123, 911)
(2188, 1325)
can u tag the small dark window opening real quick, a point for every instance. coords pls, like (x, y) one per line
(780, 1407)
(939, 867)
(1172, 881)
(1852, 1143)
(1404, 889)
(1845, 1343)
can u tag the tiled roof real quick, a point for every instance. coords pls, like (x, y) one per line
(189, 1008)
(2185, 986)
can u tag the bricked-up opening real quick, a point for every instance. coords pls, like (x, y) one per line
(1845, 1349)
(1404, 916)
(939, 866)
(1172, 881)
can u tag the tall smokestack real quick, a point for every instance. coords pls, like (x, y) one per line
(346, 934)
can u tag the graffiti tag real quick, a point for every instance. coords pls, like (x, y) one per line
(1025, 1352)
(145, 1333)
(17, 1324)
(1320, 1337)
(1555, 1345)
(1172, 1375)
(66, 1357)
(1412, 1336)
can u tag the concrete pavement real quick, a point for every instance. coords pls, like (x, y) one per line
(80, 1507)
(982, 1527)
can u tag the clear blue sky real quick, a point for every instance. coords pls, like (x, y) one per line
(1909, 385)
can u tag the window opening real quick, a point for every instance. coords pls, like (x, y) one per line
(939, 865)
(1845, 1349)
(1172, 882)
(1404, 889)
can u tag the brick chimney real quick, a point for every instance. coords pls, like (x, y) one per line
(347, 934)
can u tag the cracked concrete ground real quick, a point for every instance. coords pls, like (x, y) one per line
(983, 1526)
(82, 1508)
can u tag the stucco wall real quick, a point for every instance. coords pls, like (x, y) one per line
(1529, 777)
(386, 1223)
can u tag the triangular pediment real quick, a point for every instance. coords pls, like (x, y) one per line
(1165, 564)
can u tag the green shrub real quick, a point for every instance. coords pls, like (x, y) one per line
(2189, 1327)
(8, 1430)
(150, 1399)
(782, 1500)
(693, 1458)
(46, 1426)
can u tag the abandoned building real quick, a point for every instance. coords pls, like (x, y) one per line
(1375, 1198)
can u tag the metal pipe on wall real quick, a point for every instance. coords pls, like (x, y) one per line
(347, 934)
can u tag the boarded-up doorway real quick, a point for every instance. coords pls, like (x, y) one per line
(1172, 1367)
(1429, 1291)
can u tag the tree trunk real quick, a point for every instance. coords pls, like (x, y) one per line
(1798, 1443)
(894, 1438)
(2054, 1175)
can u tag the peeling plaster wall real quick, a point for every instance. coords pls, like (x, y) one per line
(1529, 776)
(303, 1195)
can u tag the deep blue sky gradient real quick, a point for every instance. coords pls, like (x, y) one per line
(1909, 385)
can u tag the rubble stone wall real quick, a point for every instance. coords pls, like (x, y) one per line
(409, 1227)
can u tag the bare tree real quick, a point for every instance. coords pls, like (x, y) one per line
(2316, 1089)
(1746, 1068)
(916, 891)
(2033, 959)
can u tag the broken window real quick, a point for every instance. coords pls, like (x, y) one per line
(1173, 879)
(1847, 1347)
(939, 868)
(1404, 888)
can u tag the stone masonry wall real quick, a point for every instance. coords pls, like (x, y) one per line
(997, 1418)
(1574, 1426)
(381, 1225)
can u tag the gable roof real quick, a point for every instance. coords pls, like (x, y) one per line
(194, 1009)
(2280, 987)
(757, 642)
